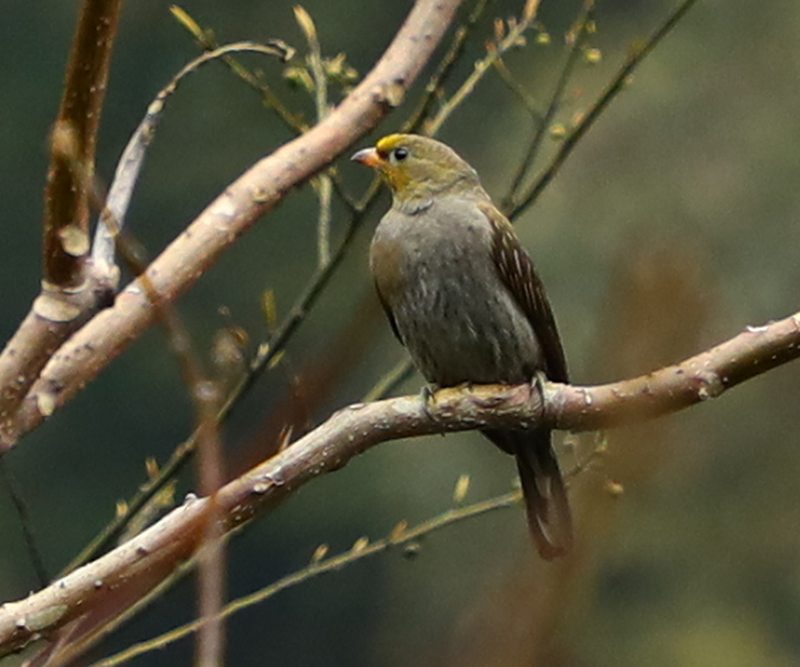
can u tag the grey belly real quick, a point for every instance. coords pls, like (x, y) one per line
(460, 329)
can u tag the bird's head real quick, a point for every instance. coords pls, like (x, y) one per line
(416, 168)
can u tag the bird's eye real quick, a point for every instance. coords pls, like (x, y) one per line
(400, 153)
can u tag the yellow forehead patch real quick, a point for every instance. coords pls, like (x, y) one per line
(388, 143)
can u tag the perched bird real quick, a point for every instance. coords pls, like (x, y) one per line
(462, 295)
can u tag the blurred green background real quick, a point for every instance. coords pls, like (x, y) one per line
(672, 227)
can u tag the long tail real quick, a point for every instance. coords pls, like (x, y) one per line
(549, 516)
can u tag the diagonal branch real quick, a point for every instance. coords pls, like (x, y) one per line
(700, 378)
(147, 559)
(254, 194)
(578, 36)
(524, 199)
(126, 176)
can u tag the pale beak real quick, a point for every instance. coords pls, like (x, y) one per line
(367, 156)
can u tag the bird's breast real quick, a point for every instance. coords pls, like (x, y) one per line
(436, 274)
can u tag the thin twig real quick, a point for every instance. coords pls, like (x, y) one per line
(25, 523)
(322, 182)
(435, 87)
(324, 189)
(409, 539)
(132, 160)
(482, 67)
(255, 81)
(611, 91)
(578, 35)
(392, 379)
(206, 41)
(534, 109)
(399, 537)
(210, 645)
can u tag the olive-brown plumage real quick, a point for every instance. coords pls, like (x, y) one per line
(463, 296)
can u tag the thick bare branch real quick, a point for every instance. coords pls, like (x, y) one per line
(55, 314)
(72, 288)
(140, 564)
(674, 388)
(254, 194)
(71, 173)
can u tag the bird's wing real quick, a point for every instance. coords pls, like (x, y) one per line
(386, 261)
(389, 314)
(519, 275)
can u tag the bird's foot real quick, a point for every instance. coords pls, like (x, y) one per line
(538, 383)
(428, 396)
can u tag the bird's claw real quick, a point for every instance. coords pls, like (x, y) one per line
(538, 381)
(428, 396)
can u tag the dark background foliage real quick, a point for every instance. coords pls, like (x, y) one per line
(673, 226)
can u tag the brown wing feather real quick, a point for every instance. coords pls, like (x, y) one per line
(389, 315)
(549, 517)
(519, 275)
(390, 256)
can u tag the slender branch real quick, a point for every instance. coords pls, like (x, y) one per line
(210, 646)
(401, 536)
(23, 513)
(115, 210)
(322, 183)
(577, 36)
(207, 42)
(255, 80)
(496, 51)
(390, 380)
(611, 91)
(149, 557)
(532, 106)
(674, 388)
(253, 195)
(435, 86)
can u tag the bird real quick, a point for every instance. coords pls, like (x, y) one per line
(463, 296)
